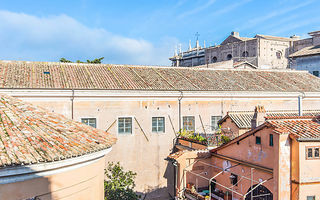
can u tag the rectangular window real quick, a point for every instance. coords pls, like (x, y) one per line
(258, 140)
(125, 125)
(188, 123)
(311, 197)
(309, 153)
(271, 140)
(89, 121)
(158, 125)
(214, 122)
(234, 179)
(316, 73)
(316, 152)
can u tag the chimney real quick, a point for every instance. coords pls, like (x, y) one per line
(235, 34)
(258, 116)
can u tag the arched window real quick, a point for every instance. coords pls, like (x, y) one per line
(214, 59)
(279, 54)
(229, 57)
(245, 54)
(259, 193)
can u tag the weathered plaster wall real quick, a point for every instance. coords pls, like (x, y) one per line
(309, 173)
(79, 184)
(309, 63)
(284, 176)
(134, 151)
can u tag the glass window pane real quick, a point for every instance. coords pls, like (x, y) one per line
(89, 121)
(158, 124)
(309, 152)
(125, 125)
(316, 152)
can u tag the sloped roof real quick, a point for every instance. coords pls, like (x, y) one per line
(301, 129)
(30, 135)
(243, 118)
(307, 51)
(40, 75)
(269, 37)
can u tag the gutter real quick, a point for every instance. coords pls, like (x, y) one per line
(27, 172)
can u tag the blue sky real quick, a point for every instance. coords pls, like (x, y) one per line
(141, 31)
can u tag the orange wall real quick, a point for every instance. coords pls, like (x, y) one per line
(79, 184)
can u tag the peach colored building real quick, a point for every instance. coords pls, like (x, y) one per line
(145, 106)
(277, 160)
(236, 123)
(46, 156)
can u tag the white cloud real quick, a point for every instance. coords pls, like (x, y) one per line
(196, 9)
(259, 20)
(27, 37)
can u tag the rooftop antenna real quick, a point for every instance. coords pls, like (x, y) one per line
(189, 45)
(204, 44)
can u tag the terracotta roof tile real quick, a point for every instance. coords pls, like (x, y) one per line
(30, 134)
(307, 51)
(243, 118)
(39, 75)
(301, 129)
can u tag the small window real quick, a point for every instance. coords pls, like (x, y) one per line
(279, 54)
(311, 197)
(214, 59)
(89, 121)
(316, 73)
(271, 140)
(125, 125)
(309, 153)
(229, 57)
(316, 152)
(214, 122)
(258, 140)
(158, 124)
(188, 123)
(245, 54)
(234, 179)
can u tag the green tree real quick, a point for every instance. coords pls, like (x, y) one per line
(64, 60)
(119, 183)
(96, 61)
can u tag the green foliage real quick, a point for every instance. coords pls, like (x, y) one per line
(94, 61)
(64, 60)
(191, 135)
(119, 183)
(225, 139)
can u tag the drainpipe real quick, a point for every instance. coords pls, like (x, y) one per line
(179, 100)
(300, 97)
(72, 98)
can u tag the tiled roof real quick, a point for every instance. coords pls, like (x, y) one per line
(31, 134)
(243, 118)
(176, 155)
(301, 129)
(307, 51)
(37, 75)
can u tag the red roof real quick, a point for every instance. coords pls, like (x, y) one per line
(30, 134)
(301, 129)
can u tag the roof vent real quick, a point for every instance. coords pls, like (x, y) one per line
(46, 73)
